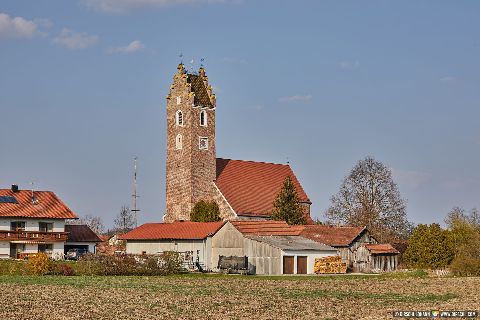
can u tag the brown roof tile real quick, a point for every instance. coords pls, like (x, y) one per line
(81, 233)
(174, 230)
(331, 235)
(381, 248)
(266, 228)
(47, 205)
(251, 187)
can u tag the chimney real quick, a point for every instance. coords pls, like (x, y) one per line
(14, 188)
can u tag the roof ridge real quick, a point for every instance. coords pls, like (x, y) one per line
(264, 162)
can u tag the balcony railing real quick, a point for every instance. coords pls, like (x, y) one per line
(6, 235)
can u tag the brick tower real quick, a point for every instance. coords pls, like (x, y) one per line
(191, 167)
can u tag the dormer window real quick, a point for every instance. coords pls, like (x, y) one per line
(203, 118)
(179, 118)
(179, 100)
(178, 142)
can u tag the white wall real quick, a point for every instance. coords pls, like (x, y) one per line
(4, 249)
(159, 246)
(33, 224)
(311, 256)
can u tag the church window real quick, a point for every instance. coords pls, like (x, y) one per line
(179, 118)
(203, 118)
(203, 143)
(179, 100)
(178, 142)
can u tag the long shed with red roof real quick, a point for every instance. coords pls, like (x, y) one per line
(191, 239)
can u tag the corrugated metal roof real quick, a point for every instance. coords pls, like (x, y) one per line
(81, 233)
(266, 228)
(174, 230)
(291, 243)
(46, 205)
(252, 187)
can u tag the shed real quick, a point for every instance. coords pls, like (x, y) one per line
(81, 237)
(376, 258)
(271, 247)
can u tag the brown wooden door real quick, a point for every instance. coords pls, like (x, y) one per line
(288, 263)
(301, 265)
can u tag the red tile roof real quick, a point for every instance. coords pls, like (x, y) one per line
(331, 235)
(251, 187)
(174, 230)
(266, 228)
(81, 233)
(381, 248)
(47, 205)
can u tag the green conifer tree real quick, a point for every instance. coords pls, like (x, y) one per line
(287, 205)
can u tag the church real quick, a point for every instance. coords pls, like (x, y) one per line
(242, 189)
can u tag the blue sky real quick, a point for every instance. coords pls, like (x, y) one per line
(321, 84)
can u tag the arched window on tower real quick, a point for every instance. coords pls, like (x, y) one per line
(179, 118)
(178, 142)
(179, 100)
(203, 118)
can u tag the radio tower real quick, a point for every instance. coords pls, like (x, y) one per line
(135, 210)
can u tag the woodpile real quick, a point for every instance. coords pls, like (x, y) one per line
(333, 264)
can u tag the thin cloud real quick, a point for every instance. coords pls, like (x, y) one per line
(347, 65)
(132, 47)
(75, 40)
(448, 79)
(296, 98)
(125, 6)
(21, 28)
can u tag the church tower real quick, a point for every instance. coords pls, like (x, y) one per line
(191, 158)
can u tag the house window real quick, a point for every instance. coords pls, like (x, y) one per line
(203, 143)
(45, 248)
(179, 100)
(17, 226)
(45, 226)
(179, 118)
(178, 142)
(203, 118)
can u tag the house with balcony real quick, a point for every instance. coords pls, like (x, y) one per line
(32, 222)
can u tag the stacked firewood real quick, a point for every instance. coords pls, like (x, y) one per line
(333, 264)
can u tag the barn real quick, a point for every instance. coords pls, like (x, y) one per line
(375, 258)
(271, 247)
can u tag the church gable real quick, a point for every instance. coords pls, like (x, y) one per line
(250, 188)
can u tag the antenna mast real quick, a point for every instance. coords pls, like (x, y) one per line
(135, 210)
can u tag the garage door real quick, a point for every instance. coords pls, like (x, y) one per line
(302, 265)
(288, 265)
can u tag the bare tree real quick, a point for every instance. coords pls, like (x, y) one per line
(93, 222)
(125, 220)
(369, 197)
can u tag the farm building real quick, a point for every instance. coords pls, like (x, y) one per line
(375, 258)
(271, 247)
(191, 239)
(348, 240)
(81, 237)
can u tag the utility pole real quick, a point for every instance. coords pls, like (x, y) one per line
(135, 210)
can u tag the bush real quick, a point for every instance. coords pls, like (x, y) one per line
(129, 265)
(39, 264)
(205, 211)
(13, 267)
